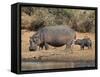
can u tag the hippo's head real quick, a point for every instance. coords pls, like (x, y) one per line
(34, 42)
(77, 42)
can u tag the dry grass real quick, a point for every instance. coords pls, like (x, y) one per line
(57, 54)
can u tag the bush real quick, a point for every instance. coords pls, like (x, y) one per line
(35, 25)
(34, 18)
(26, 20)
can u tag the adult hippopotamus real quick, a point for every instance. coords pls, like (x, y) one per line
(52, 35)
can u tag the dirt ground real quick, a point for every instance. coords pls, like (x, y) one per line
(58, 53)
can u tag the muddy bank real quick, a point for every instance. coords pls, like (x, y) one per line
(53, 58)
(58, 56)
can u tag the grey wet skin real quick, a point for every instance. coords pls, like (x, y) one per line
(52, 35)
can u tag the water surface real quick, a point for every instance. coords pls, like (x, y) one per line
(55, 65)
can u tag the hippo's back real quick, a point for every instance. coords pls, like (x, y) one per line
(57, 31)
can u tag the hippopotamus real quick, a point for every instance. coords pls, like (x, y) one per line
(55, 36)
(85, 42)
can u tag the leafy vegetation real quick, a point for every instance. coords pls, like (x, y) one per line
(34, 18)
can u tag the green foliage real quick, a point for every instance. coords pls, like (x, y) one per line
(79, 20)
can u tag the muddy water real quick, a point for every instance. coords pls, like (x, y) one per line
(55, 65)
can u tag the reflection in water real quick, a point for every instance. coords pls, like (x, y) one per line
(55, 65)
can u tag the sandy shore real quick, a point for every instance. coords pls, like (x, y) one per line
(59, 53)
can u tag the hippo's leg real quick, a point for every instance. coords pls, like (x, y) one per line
(46, 46)
(41, 46)
(68, 45)
(90, 46)
(68, 48)
(71, 49)
(82, 47)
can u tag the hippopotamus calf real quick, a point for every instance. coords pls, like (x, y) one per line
(55, 36)
(85, 42)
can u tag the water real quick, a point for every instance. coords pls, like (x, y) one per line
(55, 65)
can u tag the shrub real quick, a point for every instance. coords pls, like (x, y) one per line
(34, 18)
(37, 24)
